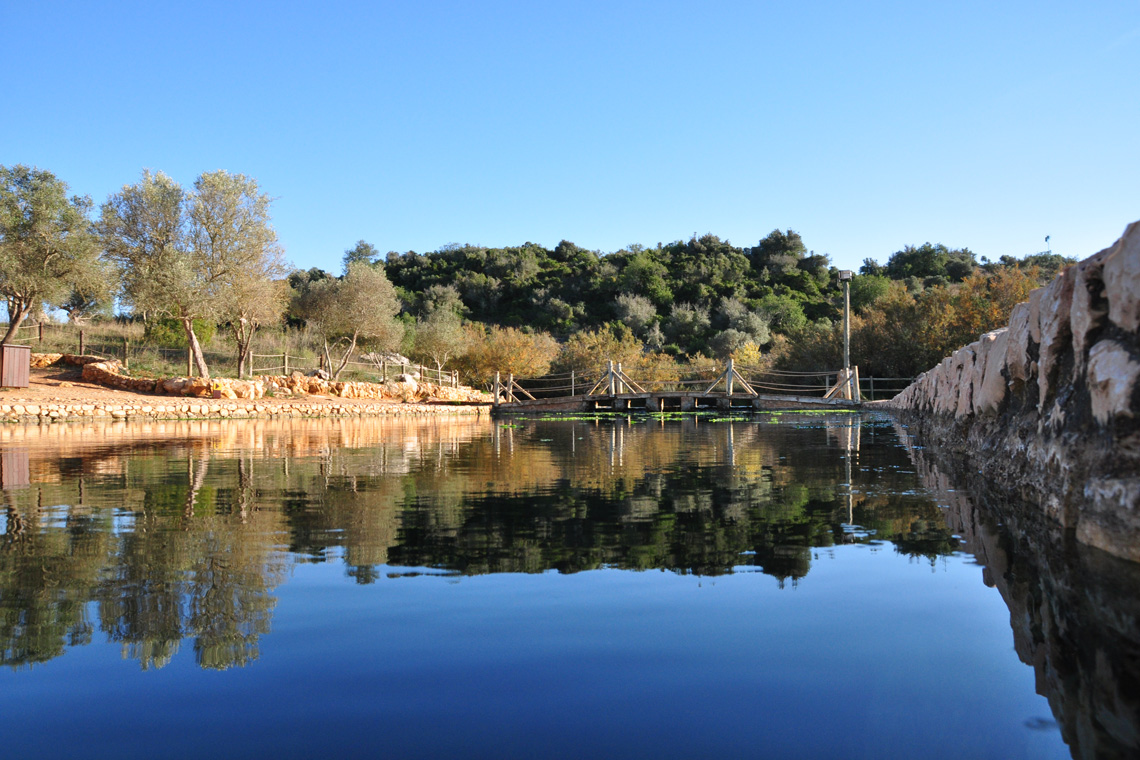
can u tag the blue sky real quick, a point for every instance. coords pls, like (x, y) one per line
(864, 126)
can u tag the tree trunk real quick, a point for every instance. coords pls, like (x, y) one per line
(14, 322)
(243, 336)
(344, 359)
(195, 348)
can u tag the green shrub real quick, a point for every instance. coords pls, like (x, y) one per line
(169, 333)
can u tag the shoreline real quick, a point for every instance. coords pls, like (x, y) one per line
(40, 412)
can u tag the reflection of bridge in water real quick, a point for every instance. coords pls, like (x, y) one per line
(717, 387)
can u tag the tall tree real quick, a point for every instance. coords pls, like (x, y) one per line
(235, 246)
(47, 247)
(190, 255)
(361, 306)
(361, 253)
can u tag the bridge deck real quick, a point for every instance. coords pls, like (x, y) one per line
(656, 401)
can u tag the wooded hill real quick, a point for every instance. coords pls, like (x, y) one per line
(193, 259)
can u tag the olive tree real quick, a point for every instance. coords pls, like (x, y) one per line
(193, 255)
(360, 306)
(47, 247)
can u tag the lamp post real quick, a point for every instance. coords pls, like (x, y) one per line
(845, 278)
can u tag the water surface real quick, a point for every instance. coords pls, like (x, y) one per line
(776, 586)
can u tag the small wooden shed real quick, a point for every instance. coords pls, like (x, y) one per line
(15, 366)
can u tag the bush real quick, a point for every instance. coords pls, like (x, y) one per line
(169, 333)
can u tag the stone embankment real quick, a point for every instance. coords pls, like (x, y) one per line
(1049, 406)
(296, 395)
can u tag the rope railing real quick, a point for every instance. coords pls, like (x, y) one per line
(711, 380)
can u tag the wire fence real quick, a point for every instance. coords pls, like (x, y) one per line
(118, 341)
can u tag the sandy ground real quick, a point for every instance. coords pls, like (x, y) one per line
(65, 384)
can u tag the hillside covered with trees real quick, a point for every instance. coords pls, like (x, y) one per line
(198, 260)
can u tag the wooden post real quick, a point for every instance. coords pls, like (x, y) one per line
(189, 363)
(510, 386)
(495, 396)
(617, 380)
(81, 343)
(321, 361)
(285, 363)
(126, 358)
(610, 374)
(41, 328)
(858, 396)
(728, 378)
(571, 382)
(454, 378)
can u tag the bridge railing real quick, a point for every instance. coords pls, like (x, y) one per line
(702, 379)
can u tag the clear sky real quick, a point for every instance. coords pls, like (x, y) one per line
(863, 126)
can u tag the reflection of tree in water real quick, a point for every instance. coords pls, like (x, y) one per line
(184, 541)
(194, 564)
(46, 578)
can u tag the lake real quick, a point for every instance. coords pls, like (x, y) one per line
(775, 585)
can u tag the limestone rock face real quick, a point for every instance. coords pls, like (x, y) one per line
(1112, 378)
(1122, 279)
(1017, 345)
(1056, 332)
(991, 392)
(1089, 307)
(1051, 404)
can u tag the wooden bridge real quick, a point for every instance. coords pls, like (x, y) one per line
(718, 387)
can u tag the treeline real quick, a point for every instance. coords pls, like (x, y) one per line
(193, 259)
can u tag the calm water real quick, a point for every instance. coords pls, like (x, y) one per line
(780, 586)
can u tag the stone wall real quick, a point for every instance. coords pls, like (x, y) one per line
(1049, 406)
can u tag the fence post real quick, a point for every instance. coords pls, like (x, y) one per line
(285, 363)
(41, 326)
(495, 398)
(383, 371)
(454, 378)
(571, 382)
(126, 358)
(871, 379)
(189, 362)
(81, 343)
(610, 374)
(511, 386)
(728, 378)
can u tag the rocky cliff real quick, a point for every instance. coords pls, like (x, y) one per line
(1048, 407)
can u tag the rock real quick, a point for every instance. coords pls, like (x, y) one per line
(989, 395)
(1089, 307)
(1056, 332)
(1112, 377)
(1122, 280)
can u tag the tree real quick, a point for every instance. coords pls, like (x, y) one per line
(47, 248)
(258, 300)
(638, 312)
(361, 253)
(440, 336)
(233, 241)
(191, 255)
(507, 350)
(779, 251)
(931, 261)
(361, 306)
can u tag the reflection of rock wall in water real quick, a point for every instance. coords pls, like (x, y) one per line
(1073, 609)
(1050, 405)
